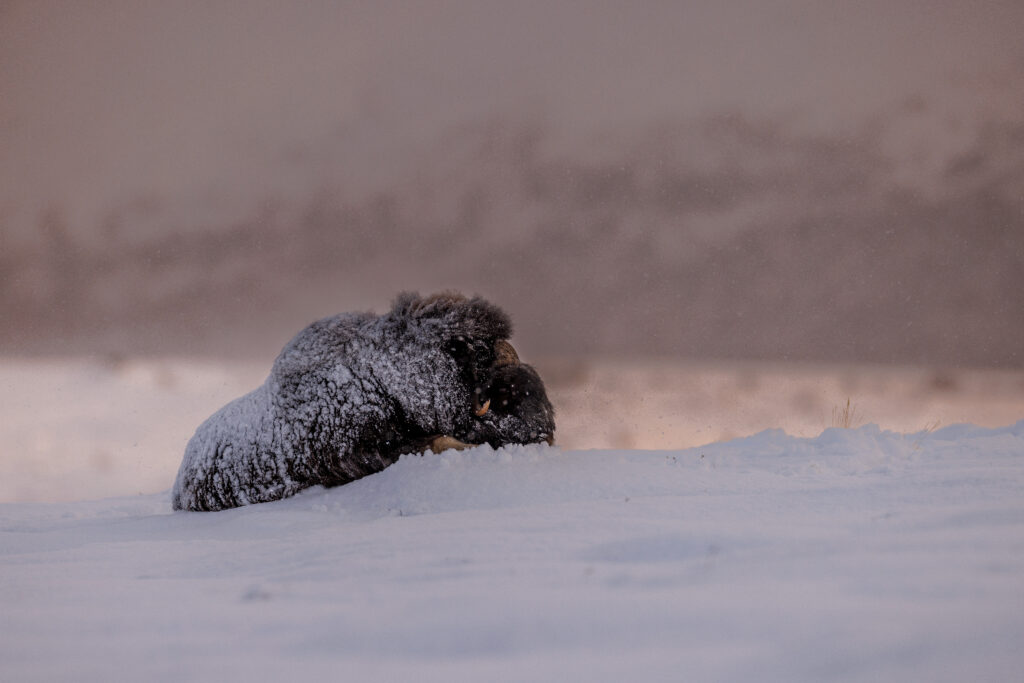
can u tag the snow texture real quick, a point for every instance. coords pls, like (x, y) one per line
(857, 555)
(353, 392)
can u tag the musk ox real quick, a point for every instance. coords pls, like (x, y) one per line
(351, 393)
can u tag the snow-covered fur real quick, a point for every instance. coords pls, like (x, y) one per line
(351, 393)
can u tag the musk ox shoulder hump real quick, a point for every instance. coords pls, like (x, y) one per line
(450, 314)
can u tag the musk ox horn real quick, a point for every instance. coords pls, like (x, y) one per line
(482, 410)
(504, 354)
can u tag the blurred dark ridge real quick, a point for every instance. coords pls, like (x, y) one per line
(720, 238)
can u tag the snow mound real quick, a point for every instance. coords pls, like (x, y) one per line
(856, 555)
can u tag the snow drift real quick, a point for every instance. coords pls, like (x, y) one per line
(855, 555)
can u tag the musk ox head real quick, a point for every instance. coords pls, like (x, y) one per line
(510, 403)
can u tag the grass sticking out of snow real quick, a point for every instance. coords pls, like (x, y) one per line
(845, 417)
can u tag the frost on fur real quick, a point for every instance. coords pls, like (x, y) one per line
(351, 393)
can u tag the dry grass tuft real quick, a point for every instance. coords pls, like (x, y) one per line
(929, 427)
(845, 417)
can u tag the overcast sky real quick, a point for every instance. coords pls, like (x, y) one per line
(775, 179)
(219, 102)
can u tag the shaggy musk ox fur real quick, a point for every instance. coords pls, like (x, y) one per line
(351, 393)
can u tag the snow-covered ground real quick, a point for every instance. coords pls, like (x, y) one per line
(873, 553)
(856, 555)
